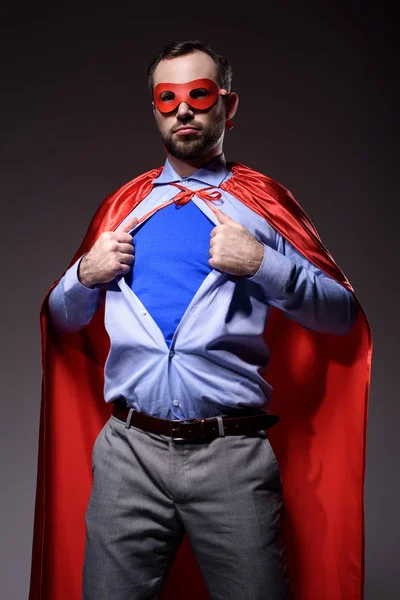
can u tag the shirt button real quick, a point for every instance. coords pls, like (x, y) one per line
(143, 312)
(171, 353)
(175, 402)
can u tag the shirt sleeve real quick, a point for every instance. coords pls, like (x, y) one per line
(71, 304)
(303, 292)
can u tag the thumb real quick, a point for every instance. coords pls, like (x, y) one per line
(223, 218)
(129, 225)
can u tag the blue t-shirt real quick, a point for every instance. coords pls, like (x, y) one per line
(171, 262)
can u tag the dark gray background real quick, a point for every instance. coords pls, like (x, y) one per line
(317, 112)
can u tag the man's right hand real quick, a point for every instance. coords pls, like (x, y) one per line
(111, 255)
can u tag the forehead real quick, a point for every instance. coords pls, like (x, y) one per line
(182, 69)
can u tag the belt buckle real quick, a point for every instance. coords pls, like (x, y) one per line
(172, 429)
(187, 439)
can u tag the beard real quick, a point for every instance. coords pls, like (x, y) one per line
(206, 139)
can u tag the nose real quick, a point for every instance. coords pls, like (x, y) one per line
(184, 111)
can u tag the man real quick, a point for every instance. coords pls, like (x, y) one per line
(187, 262)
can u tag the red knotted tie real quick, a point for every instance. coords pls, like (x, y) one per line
(184, 196)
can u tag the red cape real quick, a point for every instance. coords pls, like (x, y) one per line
(321, 386)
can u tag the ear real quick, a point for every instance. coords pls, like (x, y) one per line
(232, 103)
(153, 104)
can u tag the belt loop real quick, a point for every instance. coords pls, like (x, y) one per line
(128, 420)
(221, 429)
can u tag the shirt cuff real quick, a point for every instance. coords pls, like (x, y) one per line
(273, 273)
(74, 289)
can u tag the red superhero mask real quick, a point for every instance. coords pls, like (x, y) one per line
(200, 94)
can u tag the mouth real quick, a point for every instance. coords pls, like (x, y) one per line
(186, 130)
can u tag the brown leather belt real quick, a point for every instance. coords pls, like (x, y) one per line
(196, 429)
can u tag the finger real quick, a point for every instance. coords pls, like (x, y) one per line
(129, 225)
(214, 231)
(123, 237)
(124, 269)
(126, 259)
(223, 218)
(126, 248)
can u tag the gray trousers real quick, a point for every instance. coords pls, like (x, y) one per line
(148, 490)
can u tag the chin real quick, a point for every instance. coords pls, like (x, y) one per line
(186, 150)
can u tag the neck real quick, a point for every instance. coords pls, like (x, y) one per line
(185, 168)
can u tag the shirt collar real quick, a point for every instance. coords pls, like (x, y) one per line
(213, 173)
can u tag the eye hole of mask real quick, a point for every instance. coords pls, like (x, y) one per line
(167, 96)
(199, 93)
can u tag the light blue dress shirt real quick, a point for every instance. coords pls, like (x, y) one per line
(217, 356)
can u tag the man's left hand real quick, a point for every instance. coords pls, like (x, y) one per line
(233, 249)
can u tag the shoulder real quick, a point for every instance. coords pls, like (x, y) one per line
(268, 197)
(245, 175)
(138, 187)
(117, 205)
(135, 184)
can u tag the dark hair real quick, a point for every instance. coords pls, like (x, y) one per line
(173, 49)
